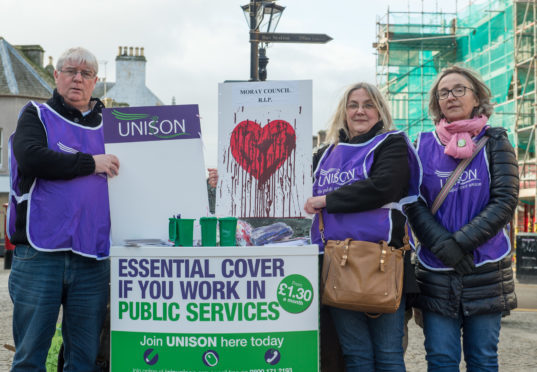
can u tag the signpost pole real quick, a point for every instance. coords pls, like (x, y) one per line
(254, 43)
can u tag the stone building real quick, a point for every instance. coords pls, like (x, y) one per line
(22, 78)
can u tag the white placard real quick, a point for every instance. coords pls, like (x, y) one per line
(264, 148)
(158, 177)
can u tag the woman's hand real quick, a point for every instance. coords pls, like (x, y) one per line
(213, 176)
(452, 255)
(315, 204)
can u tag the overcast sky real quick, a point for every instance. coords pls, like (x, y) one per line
(192, 45)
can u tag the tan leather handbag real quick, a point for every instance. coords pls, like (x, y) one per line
(362, 276)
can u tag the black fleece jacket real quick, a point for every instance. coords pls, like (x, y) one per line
(387, 182)
(490, 288)
(36, 160)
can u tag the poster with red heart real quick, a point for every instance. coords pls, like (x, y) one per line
(264, 148)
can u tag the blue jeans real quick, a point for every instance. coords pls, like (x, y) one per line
(41, 282)
(480, 336)
(371, 344)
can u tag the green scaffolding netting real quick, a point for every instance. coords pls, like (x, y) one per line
(480, 36)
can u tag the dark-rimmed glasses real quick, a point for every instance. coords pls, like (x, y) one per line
(456, 92)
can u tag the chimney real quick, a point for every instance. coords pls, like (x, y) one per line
(130, 67)
(321, 135)
(50, 66)
(34, 52)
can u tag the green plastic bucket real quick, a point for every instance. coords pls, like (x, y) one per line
(172, 229)
(208, 231)
(185, 232)
(228, 229)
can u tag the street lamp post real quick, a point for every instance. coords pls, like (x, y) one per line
(255, 13)
(263, 61)
(254, 45)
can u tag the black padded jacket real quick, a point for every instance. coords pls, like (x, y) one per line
(490, 288)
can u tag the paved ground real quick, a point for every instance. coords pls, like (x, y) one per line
(6, 310)
(517, 349)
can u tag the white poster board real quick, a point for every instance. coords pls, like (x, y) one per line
(264, 148)
(162, 169)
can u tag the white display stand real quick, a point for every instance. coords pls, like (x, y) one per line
(214, 308)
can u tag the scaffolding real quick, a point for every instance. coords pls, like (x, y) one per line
(411, 48)
(525, 98)
(496, 38)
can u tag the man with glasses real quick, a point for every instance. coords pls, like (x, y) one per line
(59, 220)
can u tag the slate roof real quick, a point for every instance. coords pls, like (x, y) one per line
(123, 92)
(139, 97)
(99, 89)
(19, 76)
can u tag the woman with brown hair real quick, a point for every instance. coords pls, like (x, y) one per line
(464, 271)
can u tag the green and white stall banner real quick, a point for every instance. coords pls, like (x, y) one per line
(214, 309)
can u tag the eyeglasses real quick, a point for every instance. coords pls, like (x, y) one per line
(72, 72)
(456, 92)
(365, 106)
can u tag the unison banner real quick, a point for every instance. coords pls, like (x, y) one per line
(214, 309)
(162, 171)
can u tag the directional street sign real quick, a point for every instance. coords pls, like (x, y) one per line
(273, 37)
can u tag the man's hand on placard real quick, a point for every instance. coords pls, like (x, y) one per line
(106, 163)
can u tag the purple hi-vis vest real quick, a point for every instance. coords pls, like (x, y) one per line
(465, 200)
(345, 164)
(65, 214)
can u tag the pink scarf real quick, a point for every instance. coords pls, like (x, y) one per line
(457, 135)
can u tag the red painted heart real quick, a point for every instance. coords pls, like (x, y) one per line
(261, 151)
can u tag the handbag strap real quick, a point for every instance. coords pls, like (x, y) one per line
(321, 226)
(452, 180)
(406, 239)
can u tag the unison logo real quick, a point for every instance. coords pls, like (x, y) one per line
(143, 125)
(469, 175)
(335, 176)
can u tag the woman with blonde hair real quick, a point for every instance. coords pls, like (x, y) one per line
(361, 181)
